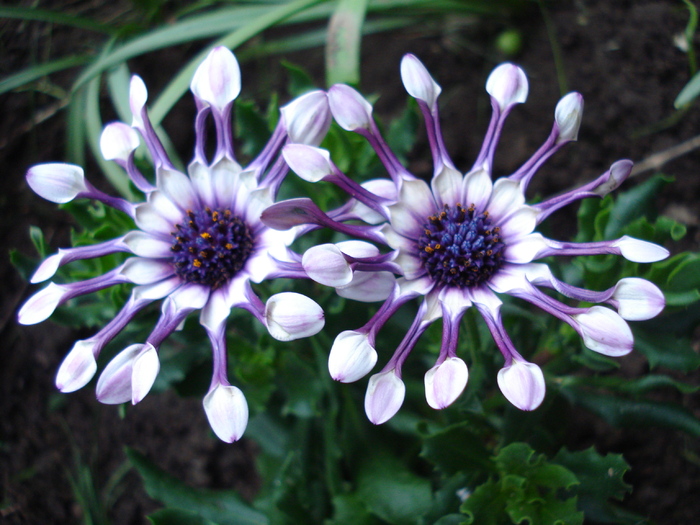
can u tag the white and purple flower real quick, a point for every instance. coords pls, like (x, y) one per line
(198, 246)
(458, 241)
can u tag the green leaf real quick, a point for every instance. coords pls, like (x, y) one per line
(343, 42)
(348, 509)
(636, 413)
(665, 349)
(632, 204)
(486, 505)
(601, 478)
(301, 384)
(37, 237)
(36, 72)
(177, 517)
(689, 92)
(392, 492)
(44, 15)
(456, 449)
(685, 275)
(223, 507)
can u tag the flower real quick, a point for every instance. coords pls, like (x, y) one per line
(198, 245)
(458, 242)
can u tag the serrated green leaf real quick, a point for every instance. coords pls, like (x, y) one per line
(223, 507)
(599, 476)
(456, 449)
(520, 459)
(486, 505)
(392, 492)
(601, 479)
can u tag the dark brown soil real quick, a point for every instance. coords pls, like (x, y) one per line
(622, 56)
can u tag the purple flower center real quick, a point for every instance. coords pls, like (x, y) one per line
(459, 247)
(210, 246)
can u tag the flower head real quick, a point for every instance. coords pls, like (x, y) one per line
(198, 245)
(458, 242)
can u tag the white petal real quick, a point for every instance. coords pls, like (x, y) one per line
(605, 332)
(155, 291)
(418, 82)
(226, 179)
(311, 164)
(445, 382)
(118, 141)
(639, 251)
(145, 245)
(178, 187)
(454, 299)
(382, 188)
(447, 186)
(216, 311)
(350, 110)
(144, 371)
(138, 96)
(41, 305)
(307, 118)
(384, 397)
(59, 183)
(518, 224)
(525, 249)
(619, 172)
(227, 412)
(138, 270)
(411, 212)
(351, 357)
(506, 197)
(47, 268)
(481, 295)
(638, 299)
(190, 297)
(201, 179)
(568, 115)
(476, 189)
(78, 367)
(368, 287)
(114, 384)
(410, 264)
(358, 249)
(522, 384)
(217, 80)
(292, 316)
(326, 265)
(258, 201)
(508, 85)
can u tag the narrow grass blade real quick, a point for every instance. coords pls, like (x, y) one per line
(343, 45)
